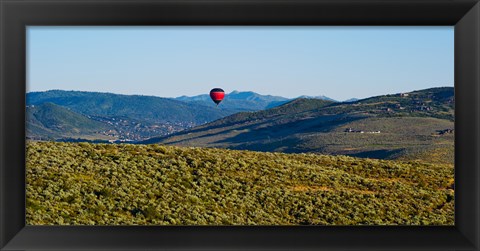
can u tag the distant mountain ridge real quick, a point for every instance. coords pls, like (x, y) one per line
(322, 97)
(351, 100)
(239, 101)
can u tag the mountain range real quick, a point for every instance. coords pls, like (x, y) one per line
(407, 126)
(246, 101)
(414, 125)
(108, 116)
(251, 101)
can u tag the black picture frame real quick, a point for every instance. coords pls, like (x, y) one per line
(17, 14)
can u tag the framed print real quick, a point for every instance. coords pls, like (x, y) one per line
(239, 125)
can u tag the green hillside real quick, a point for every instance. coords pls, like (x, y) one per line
(127, 117)
(436, 102)
(291, 108)
(398, 126)
(109, 184)
(148, 108)
(50, 121)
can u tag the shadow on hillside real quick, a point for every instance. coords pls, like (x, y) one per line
(378, 154)
(270, 132)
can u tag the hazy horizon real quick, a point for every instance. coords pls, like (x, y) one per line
(265, 94)
(336, 62)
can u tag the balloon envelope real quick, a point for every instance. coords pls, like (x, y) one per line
(217, 95)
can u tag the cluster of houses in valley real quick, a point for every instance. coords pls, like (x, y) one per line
(126, 129)
(351, 130)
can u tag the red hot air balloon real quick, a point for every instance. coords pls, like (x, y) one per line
(217, 95)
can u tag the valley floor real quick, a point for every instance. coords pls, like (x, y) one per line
(123, 184)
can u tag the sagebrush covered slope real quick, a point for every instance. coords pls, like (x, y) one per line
(102, 184)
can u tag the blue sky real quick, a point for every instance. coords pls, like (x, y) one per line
(338, 62)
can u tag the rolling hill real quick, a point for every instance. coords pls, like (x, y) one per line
(124, 184)
(49, 120)
(398, 126)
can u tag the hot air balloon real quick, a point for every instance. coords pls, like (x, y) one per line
(217, 95)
